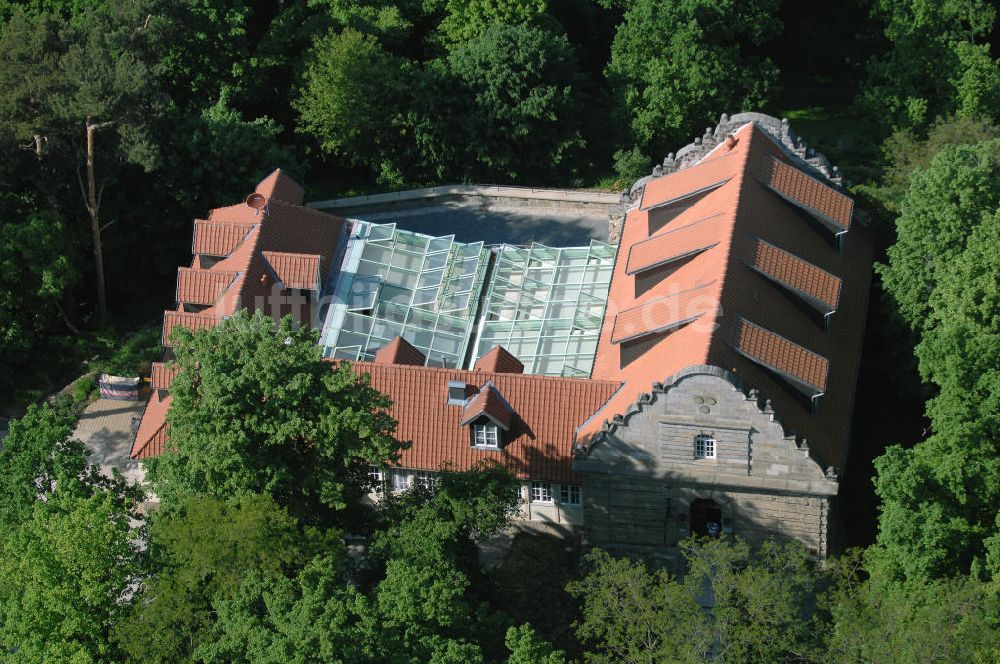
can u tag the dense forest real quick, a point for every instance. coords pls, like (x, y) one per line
(122, 120)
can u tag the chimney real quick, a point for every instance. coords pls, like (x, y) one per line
(458, 392)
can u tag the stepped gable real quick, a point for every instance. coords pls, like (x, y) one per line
(240, 255)
(756, 224)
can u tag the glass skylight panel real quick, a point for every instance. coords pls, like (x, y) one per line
(545, 306)
(380, 232)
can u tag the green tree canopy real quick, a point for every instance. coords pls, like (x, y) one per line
(66, 579)
(630, 614)
(938, 62)
(882, 620)
(200, 553)
(256, 409)
(412, 600)
(939, 499)
(40, 457)
(69, 556)
(352, 99)
(38, 270)
(81, 92)
(738, 603)
(312, 617)
(944, 204)
(676, 66)
(522, 122)
(467, 19)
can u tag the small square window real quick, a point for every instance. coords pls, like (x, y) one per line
(427, 479)
(485, 435)
(569, 494)
(541, 492)
(704, 447)
(400, 480)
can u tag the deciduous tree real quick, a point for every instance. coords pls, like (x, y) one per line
(257, 410)
(200, 554)
(522, 123)
(676, 66)
(939, 63)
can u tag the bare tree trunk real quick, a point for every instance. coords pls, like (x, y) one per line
(93, 207)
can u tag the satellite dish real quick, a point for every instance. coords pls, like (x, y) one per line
(256, 201)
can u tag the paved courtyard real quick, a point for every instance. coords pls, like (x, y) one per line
(106, 429)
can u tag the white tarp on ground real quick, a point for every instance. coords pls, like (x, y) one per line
(118, 387)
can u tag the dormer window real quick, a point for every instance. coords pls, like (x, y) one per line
(487, 414)
(704, 447)
(486, 435)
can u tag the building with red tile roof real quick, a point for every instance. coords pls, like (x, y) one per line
(722, 388)
(740, 273)
(275, 259)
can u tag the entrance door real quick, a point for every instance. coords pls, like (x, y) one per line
(706, 517)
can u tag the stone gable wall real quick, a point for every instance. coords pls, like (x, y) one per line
(640, 480)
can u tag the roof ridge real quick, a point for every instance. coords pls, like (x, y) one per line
(474, 374)
(729, 234)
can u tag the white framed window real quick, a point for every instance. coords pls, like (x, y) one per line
(486, 435)
(376, 478)
(569, 494)
(541, 492)
(400, 480)
(704, 447)
(427, 479)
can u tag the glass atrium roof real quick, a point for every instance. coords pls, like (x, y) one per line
(544, 305)
(394, 282)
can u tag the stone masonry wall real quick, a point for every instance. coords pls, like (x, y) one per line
(641, 479)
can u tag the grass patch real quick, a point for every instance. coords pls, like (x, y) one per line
(848, 139)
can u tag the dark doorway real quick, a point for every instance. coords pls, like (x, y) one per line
(706, 517)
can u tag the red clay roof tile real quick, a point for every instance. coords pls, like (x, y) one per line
(295, 270)
(196, 286)
(663, 313)
(704, 176)
(489, 402)
(794, 273)
(781, 355)
(162, 375)
(191, 321)
(739, 268)
(806, 191)
(399, 351)
(278, 185)
(151, 438)
(217, 239)
(674, 244)
(300, 242)
(539, 444)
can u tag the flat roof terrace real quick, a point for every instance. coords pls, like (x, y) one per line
(487, 213)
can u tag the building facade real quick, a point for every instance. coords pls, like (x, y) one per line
(700, 376)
